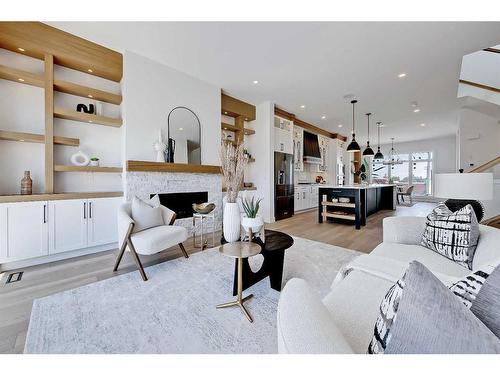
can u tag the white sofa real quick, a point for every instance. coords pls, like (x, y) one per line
(343, 321)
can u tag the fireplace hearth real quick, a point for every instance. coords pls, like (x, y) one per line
(181, 203)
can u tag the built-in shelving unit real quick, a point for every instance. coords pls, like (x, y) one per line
(36, 138)
(86, 92)
(86, 117)
(88, 168)
(21, 76)
(248, 131)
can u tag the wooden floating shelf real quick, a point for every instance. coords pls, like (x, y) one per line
(152, 166)
(36, 138)
(338, 204)
(249, 131)
(229, 127)
(87, 92)
(58, 196)
(75, 168)
(338, 216)
(235, 108)
(86, 117)
(21, 76)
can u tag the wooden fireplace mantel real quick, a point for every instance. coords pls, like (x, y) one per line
(152, 166)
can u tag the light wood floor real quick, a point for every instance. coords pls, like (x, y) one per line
(38, 281)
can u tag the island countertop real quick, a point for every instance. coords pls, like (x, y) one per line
(356, 186)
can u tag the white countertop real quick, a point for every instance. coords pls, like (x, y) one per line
(356, 186)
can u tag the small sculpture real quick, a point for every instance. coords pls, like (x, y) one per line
(26, 184)
(80, 159)
(83, 108)
(160, 148)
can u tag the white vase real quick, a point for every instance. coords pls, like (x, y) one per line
(231, 222)
(254, 224)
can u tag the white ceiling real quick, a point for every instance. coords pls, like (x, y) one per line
(316, 64)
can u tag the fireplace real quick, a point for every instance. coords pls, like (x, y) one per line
(181, 203)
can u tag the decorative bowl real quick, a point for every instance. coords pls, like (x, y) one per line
(344, 200)
(203, 208)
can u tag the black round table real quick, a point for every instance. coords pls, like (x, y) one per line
(273, 251)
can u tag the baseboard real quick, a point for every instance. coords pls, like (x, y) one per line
(56, 257)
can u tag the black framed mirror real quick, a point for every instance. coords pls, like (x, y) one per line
(184, 137)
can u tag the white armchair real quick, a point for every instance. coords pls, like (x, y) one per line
(149, 241)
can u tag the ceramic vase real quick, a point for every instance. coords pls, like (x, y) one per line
(231, 222)
(160, 148)
(26, 184)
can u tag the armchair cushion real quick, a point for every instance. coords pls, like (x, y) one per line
(154, 240)
(146, 214)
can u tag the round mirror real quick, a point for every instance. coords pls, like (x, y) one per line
(184, 137)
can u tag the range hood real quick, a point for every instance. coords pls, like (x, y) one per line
(311, 149)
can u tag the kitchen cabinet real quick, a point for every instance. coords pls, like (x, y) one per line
(298, 149)
(283, 135)
(306, 197)
(323, 150)
(67, 225)
(23, 230)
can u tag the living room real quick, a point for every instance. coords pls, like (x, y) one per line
(165, 191)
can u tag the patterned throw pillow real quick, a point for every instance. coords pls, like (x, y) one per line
(454, 236)
(468, 288)
(387, 316)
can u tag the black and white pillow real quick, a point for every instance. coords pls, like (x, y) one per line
(468, 288)
(386, 318)
(454, 236)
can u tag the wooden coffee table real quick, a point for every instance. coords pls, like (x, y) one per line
(240, 251)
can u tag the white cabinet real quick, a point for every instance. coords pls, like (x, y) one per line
(23, 230)
(313, 198)
(67, 225)
(298, 148)
(306, 197)
(102, 224)
(283, 135)
(323, 150)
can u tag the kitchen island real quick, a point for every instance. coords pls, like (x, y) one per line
(364, 200)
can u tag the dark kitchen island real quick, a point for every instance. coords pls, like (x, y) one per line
(364, 200)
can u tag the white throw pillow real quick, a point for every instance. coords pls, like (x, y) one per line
(146, 214)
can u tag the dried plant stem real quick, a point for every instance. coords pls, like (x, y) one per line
(233, 164)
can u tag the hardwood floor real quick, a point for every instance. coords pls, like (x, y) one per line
(38, 281)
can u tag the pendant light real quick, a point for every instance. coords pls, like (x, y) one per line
(368, 150)
(378, 155)
(353, 146)
(393, 157)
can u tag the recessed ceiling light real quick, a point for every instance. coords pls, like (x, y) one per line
(323, 117)
(20, 80)
(21, 49)
(422, 124)
(90, 70)
(340, 125)
(225, 112)
(225, 128)
(401, 75)
(255, 82)
(416, 110)
(90, 95)
(246, 119)
(181, 128)
(302, 106)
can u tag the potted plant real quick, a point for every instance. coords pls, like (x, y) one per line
(252, 221)
(94, 161)
(233, 164)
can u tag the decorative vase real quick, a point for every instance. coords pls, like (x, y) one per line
(80, 159)
(254, 224)
(160, 148)
(231, 222)
(94, 163)
(26, 184)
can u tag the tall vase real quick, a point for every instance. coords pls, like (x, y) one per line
(26, 184)
(231, 222)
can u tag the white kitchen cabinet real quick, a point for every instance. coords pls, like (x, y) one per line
(323, 150)
(102, 225)
(314, 195)
(23, 230)
(283, 135)
(306, 197)
(298, 149)
(67, 225)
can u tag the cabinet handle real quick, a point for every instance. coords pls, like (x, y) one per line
(84, 210)
(45, 214)
(90, 210)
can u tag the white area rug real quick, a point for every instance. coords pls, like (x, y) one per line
(174, 312)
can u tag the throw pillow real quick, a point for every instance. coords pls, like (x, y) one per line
(146, 214)
(424, 317)
(454, 236)
(468, 288)
(486, 305)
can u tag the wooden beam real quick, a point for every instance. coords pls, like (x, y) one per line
(49, 123)
(479, 85)
(234, 107)
(239, 122)
(494, 50)
(38, 39)
(151, 166)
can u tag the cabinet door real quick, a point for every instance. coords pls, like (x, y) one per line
(67, 225)
(279, 145)
(297, 200)
(102, 225)
(23, 230)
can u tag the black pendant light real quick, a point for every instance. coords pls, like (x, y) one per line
(368, 150)
(378, 155)
(353, 146)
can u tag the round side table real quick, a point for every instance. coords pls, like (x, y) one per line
(240, 251)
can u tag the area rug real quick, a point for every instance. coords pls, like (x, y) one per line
(174, 311)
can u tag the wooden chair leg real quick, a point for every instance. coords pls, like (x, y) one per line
(137, 260)
(124, 246)
(184, 250)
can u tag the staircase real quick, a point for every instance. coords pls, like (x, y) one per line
(492, 208)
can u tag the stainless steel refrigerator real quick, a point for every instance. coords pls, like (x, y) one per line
(283, 185)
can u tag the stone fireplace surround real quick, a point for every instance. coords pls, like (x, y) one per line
(142, 184)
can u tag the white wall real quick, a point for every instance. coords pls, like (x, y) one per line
(150, 91)
(479, 138)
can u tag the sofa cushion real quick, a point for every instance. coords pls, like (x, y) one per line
(468, 287)
(354, 305)
(153, 240)
(488, 249)
(146, 214)
(428, 319)
(486, 306)
(454, 235)
(436, 263)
